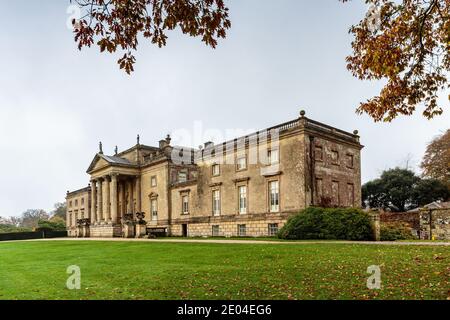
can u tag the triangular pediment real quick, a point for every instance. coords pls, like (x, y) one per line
(97, 162)
(101, 161)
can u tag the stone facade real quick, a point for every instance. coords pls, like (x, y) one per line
(78, 207)
(248, 186)
(435, 224)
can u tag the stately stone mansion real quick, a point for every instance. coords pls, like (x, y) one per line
(248, 186)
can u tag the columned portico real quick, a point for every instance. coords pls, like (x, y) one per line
(113, 195)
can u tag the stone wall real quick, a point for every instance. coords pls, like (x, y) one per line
(408, 219)
(253, 228)
(435, 224)
(105, 231)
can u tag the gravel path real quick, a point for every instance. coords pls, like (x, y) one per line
(233, 241)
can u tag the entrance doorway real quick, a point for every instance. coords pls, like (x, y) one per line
(184, 230)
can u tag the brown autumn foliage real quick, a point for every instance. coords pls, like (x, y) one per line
(406, 43)
(436, 162)
(118, 24)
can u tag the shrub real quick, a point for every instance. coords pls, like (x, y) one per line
(395, 231)
(328, 224)
(8, 228)
(51, 225)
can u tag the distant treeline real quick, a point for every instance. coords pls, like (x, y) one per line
(34, 219)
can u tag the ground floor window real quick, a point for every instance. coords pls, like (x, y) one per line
(154, 209)
(272, 229)
(242, 230)
(215, 230)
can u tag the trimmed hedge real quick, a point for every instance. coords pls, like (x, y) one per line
(32, 235)
(328, 224)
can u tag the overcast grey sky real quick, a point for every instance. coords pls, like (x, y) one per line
(57, 103)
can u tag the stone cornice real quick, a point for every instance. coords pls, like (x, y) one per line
(241, 180)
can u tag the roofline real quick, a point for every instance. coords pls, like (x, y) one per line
(142, 146)
(296, 124)
(85, 189)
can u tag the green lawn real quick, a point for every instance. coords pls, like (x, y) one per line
(149, 270)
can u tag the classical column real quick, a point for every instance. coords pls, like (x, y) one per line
(100, 201)
(113, 197)
(130, 197)
(138, 194)
(93, 201)
(107, 207)
(123, 190)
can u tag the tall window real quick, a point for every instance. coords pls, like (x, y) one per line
(242, 230)
(153, 181)
(274, 196)
(154, 209)
(216, 170)
(185, 204)
(242, 190)
(273, 156)
(216, 202)
(241, 163)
